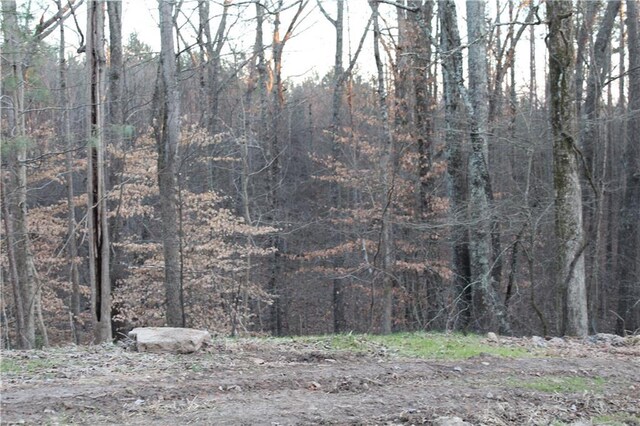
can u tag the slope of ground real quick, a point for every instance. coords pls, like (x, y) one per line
(347, 380)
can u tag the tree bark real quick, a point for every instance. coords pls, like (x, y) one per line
(452, 61)
(274, 155)
(589, 140)
(13, 269)
(16, 54)
(387, 166)
(338, 300)
(487, 304)
(568, 195)
(424, 99)
(64, 127)
(629, 234)
(99, 250)
(167, 139)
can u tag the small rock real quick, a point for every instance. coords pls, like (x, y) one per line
(606, 338)
(457, 369)
(557, 342)
(258, 361)
(315, 385)
(632, 341)
(538, 341)
(492, 337)
(450, 421)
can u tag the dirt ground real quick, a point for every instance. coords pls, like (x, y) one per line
(262, 382)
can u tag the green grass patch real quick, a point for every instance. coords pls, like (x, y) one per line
(616, 420)
(445, 346)
(35, 365)
(417, 345)
(566, 384)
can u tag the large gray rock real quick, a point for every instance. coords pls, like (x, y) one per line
(168, 339)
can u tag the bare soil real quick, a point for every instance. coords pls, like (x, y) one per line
(264, 382)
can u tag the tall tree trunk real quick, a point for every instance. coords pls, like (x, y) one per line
(568, 195)
(64, 127)
(451, 62)
(338, 300)
(15, 52)
(99, 252)
(340, 76)
(274, 156)
(589, 140)
(117, 132)
(629, 234)
(167, 139)
(420, 33)
(387, 166)
(273, 178)
(486, 301)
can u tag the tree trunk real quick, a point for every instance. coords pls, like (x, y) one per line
(487, 304)
(338, 303)
(452, 61)
(568, 195)
(424, 99)
(167, 139)
(15, 53)
(274, 156)
(629, 234)
(64, 127)
(13, 269)
(387, 166)
(99, 250)
(589, 140)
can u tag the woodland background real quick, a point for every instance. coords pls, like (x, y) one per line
(197, 186)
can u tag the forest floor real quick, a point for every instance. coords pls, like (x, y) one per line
(410, 379)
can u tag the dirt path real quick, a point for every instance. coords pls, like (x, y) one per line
(249, 383)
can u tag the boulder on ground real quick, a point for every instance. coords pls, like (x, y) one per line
(168, 339)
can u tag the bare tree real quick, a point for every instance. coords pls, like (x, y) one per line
(629, 234)
(568, 194)
(167, 139)
(16, 53)
(274, 151)
(64, 129)
(452, 64)
(97, 222)
(590, 141)
(385, 250)
(486, 300)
